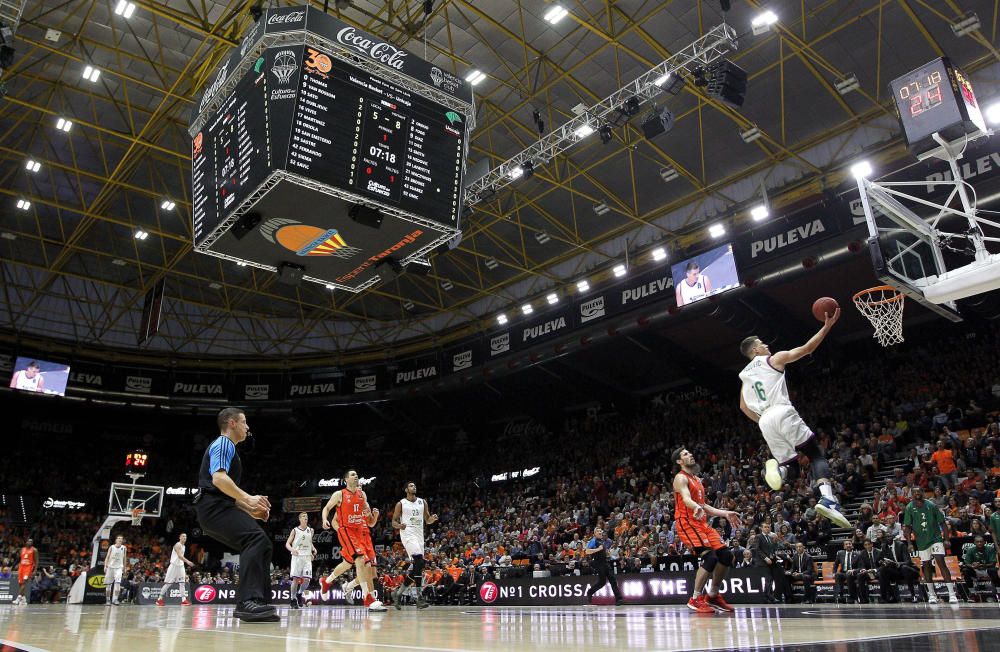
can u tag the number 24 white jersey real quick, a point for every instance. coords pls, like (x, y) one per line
(763, 385)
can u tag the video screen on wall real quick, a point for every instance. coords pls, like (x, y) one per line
(706, 274)
(34, 375)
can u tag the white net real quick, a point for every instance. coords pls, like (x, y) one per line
(883, 306)
(137, 515)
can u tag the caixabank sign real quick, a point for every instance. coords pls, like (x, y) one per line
(745, 585)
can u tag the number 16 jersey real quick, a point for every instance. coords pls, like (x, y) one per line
(763, 385)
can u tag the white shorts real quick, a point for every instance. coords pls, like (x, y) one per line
(784, 431)
(935, 549)
(413, 545)
(175, 573)
(302, 566)
(112, 575)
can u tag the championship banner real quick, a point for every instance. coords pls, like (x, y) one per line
(200, 386)
(417, 370)
(149, 592)
(744, 585)
(9, 590)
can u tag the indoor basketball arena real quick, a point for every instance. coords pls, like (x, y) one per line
(449, 325)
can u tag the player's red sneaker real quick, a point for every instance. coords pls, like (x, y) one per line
(698, 605)
(159, 603)
(719, 603)
(369, 599)
(324, 585)
(185, 603)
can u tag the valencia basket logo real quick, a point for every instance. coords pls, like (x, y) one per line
(306, 240)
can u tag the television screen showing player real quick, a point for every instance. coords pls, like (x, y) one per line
(706, 274)
(34, 375)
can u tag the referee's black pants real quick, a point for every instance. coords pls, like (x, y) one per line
(222, 520)
(604, 576)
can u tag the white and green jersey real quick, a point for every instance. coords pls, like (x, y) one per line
(763, 385)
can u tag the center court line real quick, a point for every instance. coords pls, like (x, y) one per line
(321, 640)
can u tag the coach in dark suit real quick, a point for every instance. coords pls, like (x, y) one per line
(871, 562)
(845, 571)
(229, 515)
(801, 568)
(765, 556)
(897, 566)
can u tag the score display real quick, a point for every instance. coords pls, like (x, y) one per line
(355, 131)
(936, 99)
(136, 461)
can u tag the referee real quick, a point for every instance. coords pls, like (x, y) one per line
(226, 513)
(599, 562)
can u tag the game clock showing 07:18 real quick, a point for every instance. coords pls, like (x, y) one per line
(936, 98)
(136, 461)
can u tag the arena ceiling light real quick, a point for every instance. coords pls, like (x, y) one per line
(669, 173)
(601, 209)
(408, 305)
(583, 131)
(861, 169)
(553, 299)
(555, 14)
(515, 173)
(213, 285)
(659, 254)
(447, 285)
(23, 204)
(761, 24)
(240, 263)
(329, 286)
(118, 262)
(91, 74)
(7, 235)
(717, 230)
(661, 80)
(847, 85)
(966, 26)
(751, 134)
(167, 205)
(992, 112)
(125, 9)
(64, 125)
(759, 212)
(502, 319)
(542, 237)
(141, 235)
(32, 165)
(474, 77)
(619, 270)
(583, 286)
(491, 263)
(526, 309)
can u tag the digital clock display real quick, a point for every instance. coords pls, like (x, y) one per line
(922, 95)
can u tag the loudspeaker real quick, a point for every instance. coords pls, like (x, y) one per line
(660, 122)
(388, 269)
(245, 225)
(366, 215)
(727, 83)
(290, 273)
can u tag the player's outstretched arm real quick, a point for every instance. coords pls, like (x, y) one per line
(781, 358)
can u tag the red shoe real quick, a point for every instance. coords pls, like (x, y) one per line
(369, 599)
(185, 603)
(159, 603)
(698, 605)
(324, 586)
(719, 603)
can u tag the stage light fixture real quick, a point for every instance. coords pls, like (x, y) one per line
(141, 235)
(64, 125)
(330, 286)
(659, 254)
(717, 230)
(32, 166)
(167, 205)
(555, 14)
(582, 286)
(553, 299)
(631, 107)
(861, 169)
(992, 113)
(502, 319)
(474, 77)
(605, 133)
(761, 24)
(583, 131)
(759, 213)
(526, 309)
(91, 74)
(125, 9)
(619, 271)
(23, 204)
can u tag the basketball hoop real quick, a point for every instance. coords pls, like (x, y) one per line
(137, 515)
(883, 306)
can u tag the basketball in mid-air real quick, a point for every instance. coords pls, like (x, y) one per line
(824, 305)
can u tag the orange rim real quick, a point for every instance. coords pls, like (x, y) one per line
(881, 288)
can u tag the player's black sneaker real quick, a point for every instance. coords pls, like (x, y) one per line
(301, 600)
(253, 608)
(294, 603)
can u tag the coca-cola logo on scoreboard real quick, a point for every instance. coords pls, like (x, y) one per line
(382, 52)
(286, 19)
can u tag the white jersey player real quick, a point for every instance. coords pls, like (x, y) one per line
(694, 286)
(176, 572)
(764, 399)
(301, 547)
(114, 566)
(409, 517)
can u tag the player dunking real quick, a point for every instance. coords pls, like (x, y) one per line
(303, 551)
(25, 569)
(114, 566)
(409, 516)
(351, 521)
(176, 572)
(764, 399)
(690, 516)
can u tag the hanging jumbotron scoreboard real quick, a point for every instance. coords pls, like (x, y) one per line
(327, 154)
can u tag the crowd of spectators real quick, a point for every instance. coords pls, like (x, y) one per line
(611, 468)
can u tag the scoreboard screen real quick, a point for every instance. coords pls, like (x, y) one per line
(304, 111)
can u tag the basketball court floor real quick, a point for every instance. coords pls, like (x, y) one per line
(845, 628)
